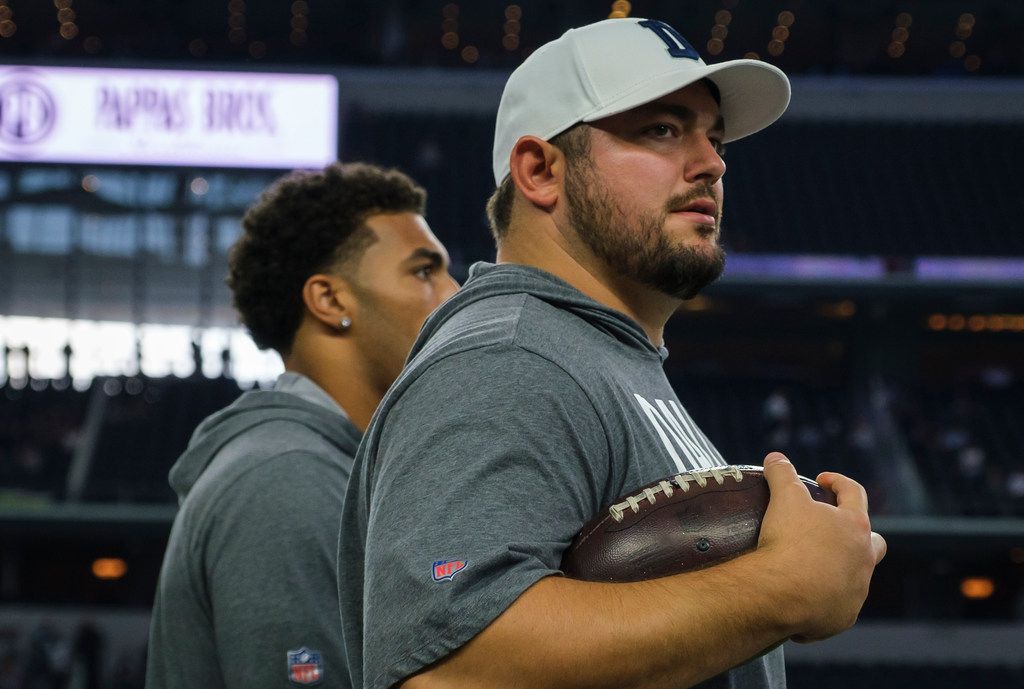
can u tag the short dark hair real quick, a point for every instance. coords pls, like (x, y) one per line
(304, 223)
(574, 143)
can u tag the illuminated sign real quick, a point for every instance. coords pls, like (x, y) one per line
(160, 117)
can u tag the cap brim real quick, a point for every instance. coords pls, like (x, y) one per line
(753, 94)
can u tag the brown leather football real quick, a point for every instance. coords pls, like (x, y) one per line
(682, 523)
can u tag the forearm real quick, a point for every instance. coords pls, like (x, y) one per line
(673, 632)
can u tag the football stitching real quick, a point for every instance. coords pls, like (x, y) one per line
(699, 476)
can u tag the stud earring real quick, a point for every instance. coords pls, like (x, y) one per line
(345, 324)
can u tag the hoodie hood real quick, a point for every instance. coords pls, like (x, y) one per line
(247, 412)
(488, 280)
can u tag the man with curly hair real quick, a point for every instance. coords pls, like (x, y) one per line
(336, 270)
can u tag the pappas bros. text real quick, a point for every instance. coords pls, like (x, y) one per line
(222, 110)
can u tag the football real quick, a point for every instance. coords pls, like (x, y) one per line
(681, 523)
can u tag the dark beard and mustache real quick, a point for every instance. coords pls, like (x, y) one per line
(638, 248)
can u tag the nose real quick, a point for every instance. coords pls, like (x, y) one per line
(704, 164)
(450, 287)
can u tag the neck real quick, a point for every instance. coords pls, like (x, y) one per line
(573, 262)
(333, 364)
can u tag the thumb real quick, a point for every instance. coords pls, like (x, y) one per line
(778, 471)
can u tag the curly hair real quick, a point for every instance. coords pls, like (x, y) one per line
(303, 224)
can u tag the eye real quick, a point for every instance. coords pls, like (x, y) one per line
(719, 146)
(424, 272)
(661, 130)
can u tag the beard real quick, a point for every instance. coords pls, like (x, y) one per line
(636, 246)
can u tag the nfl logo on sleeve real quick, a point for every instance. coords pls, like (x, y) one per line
(305, 666)
(446, 569)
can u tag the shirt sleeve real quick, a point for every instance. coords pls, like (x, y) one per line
(270, 572)
(486, 468)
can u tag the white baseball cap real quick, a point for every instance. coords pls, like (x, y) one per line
(617, 64)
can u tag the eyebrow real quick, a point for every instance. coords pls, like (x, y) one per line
(684, 114)
(435, 258)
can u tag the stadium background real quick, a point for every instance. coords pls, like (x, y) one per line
(871, 318)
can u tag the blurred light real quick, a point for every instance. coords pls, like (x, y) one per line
(510, 42)
(470, 54)
(62, 4)
(513, 13)
(112, 387)
(1016, 323)
(236, 6)
(896, 49)
(68, 31)
(133, 386)
(512, 26)
(237, 21)
(617, 15)
(5, 12)
(237, 36)
(1017, 556)
(957, 322)
(957, 49)
(199, 186)
(845, 308)
(300, 7)
(775, 48)
(963, 31)
(450, 40)
(90, 183)
(449, 25)
(780, 33)
(976, 323)
(715, 46)
(937, 321)
(751, 55)
(7, 28)
(967, 19)
(623, 6)
(257, 50)
(92, 44)
(977, 588)
(300, 22)
(297, 38)
(996, 323)
(786, 18)
(904, 19)
(109, 568)
(972, 63)
(719, 31)
(723, 17)
(66, 15)
(197, 47)
(900, 34)
(450, 11)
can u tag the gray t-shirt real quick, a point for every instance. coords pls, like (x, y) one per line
(525, 410)
(246, 596)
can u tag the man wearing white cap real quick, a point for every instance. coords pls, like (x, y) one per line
(536, 396)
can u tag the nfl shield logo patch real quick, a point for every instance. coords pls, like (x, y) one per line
(446, 569)
(305, 666)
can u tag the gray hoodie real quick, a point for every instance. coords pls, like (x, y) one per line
(247, 592)
(526, 409)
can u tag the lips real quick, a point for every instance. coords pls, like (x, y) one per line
(702, 211)
(703, 206)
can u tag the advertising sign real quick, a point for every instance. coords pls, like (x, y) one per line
(170, 118)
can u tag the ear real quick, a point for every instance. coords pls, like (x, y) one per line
(538, 170)
(328, 299)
